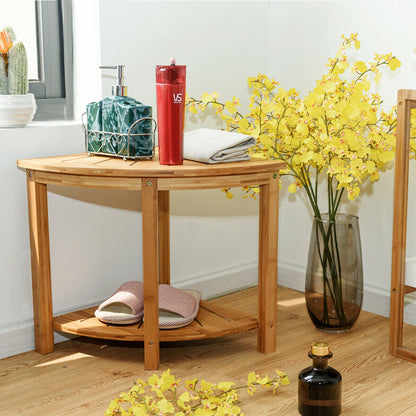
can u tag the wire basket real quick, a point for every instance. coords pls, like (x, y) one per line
(124, 145)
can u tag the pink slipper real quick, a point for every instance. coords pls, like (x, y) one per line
(177, 308)
(124, 307)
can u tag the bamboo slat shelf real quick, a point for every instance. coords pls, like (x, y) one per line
(406, 101)
(212, 321)
(154, 181)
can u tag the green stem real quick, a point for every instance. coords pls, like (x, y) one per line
(369, 70)
(329, 257)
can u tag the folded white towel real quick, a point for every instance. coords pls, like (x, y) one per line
(216, 146)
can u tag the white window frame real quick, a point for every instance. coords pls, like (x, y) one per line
(54, 89)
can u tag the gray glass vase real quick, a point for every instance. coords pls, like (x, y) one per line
(334, 273)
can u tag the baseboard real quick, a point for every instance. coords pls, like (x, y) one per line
(18, 337)
(291, 276)
(221, 282)
(375, 300)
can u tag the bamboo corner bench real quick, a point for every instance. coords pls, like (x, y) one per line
(154, 181)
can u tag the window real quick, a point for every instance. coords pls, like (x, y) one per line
(45, 28)
(21, 16)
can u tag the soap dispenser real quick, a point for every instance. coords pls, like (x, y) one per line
(119, 125)
(119, 89)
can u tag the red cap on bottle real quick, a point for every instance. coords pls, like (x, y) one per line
(171, 74)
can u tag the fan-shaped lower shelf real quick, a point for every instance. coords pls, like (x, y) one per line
(212, 321)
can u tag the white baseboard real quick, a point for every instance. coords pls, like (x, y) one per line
(221, 282)
(18, 337)
(375, 300)
(291, 276)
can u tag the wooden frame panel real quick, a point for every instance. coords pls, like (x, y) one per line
(212, 182)
(86, 181)
(406, 101)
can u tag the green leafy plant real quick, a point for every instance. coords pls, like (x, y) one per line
(162, 396)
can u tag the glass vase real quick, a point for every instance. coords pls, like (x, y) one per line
(334, 274)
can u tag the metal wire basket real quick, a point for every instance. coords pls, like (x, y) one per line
(124, 145)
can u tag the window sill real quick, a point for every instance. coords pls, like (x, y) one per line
(43, 138)
(53, 123)
(46, 124)
(53, 109)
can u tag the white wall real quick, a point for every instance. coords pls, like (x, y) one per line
(222, 43)
(95, 234)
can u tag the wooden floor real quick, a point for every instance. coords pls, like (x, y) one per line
(83, 375)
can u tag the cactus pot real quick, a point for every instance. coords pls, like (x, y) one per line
(17, 110)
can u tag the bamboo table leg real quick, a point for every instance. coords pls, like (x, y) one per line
(268, 232)
(150, 273)
(164, 237)
(40, 262)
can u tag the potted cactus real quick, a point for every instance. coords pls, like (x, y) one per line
(17, 107)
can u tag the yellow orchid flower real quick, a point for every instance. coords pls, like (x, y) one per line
(338, 127)
(394, 63)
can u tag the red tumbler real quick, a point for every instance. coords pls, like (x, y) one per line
(170, 95)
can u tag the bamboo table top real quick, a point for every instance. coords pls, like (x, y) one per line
(83, 164)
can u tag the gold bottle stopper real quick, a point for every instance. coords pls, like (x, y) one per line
(320, 349)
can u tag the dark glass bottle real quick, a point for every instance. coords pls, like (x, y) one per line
(319, 386)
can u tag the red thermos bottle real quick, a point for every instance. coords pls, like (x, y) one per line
(170, 95)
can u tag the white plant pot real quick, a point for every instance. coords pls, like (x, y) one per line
(17, 110)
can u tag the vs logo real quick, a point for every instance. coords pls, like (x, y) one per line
(177, 98)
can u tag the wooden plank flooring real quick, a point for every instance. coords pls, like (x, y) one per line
(83, 375)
